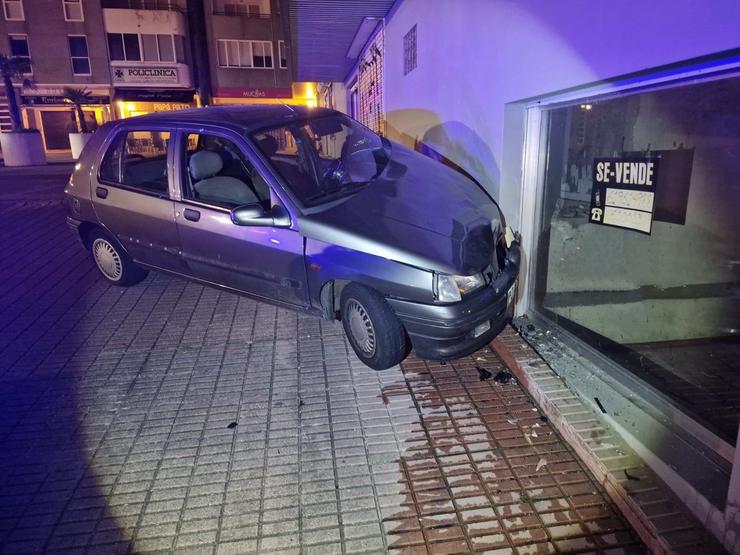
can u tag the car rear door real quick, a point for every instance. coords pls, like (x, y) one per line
(131, 195)
(266, 262)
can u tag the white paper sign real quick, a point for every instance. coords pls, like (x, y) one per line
(623, 193)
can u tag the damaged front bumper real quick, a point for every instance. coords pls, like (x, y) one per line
(444, 332)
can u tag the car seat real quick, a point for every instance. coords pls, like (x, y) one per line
(204, 167)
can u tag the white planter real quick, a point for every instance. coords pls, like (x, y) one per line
(78, 141)
(22, 149)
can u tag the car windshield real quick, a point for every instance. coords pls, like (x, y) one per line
(324, 158)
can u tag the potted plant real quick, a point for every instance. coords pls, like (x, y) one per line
(78, 140)
(20, 147)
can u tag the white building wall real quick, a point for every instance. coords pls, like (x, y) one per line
(144, 21)
(475, 60)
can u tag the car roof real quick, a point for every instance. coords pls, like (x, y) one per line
(248, 117)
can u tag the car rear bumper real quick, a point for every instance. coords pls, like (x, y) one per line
(444, 332)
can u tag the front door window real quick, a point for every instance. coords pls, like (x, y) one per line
(218, 173)
(265, 262)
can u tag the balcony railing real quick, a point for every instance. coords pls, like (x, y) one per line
(169, 5)
(253, 9)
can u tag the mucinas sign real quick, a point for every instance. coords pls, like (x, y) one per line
(138, 74)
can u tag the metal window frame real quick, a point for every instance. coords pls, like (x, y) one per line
(72, 58)
(11, 36)
(239, 65)
(73, 2)
(5, 10)
(530, 208)
(282, 45)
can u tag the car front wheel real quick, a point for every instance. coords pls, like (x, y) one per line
(113, 262)
(373, 330)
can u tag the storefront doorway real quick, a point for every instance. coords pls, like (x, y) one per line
(46, 109)
(57, 124)
(638, 248)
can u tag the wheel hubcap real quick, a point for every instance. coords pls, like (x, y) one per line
(107, 259)
(361, 326)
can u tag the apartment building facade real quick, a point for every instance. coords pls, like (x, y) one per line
(247, 51)
(142, 56)
(149, 55)
(65, 45)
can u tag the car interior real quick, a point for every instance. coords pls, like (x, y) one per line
(138, 159)
(218, 173)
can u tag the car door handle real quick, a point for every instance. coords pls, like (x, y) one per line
(192, 215)
(101, 192)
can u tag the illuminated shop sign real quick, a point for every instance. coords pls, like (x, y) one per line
(147, 95)
(56, 100)
(253, 92)
(623, 193)
(142, 74)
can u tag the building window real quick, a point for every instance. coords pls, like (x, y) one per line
(13, 10)
(262, 53)
(249, 8)
(19, 49)
(231, 8)
(409, 51)
(124, 47)
(158, 48)
(73, 10)
(244, 53)
(79, 54)
(639, 237)
(283, 53)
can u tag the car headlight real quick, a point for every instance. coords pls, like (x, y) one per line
(450, 289)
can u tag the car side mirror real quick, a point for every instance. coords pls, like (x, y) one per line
(255, 215)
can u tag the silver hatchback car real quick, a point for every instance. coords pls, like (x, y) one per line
(306, 209)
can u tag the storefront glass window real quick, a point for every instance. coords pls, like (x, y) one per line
(639, 247)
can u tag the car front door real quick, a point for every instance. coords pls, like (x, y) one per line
(132, 193)
(216, 174)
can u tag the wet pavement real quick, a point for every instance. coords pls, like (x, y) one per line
(170, 417)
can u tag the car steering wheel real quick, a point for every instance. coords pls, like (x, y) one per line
(336, 172)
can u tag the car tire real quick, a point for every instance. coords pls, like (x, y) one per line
(114, 264)
(373, 329)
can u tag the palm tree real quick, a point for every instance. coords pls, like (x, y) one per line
(12, 69)
(78, 97)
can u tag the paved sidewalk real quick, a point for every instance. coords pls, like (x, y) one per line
(170, 417)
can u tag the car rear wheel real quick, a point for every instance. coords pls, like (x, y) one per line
(373, 330)
(113, 262)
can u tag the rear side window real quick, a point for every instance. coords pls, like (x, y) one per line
(138, 159)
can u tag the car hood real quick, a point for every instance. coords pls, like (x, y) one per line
(417, 212)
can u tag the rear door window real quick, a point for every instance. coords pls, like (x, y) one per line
(138, 159)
